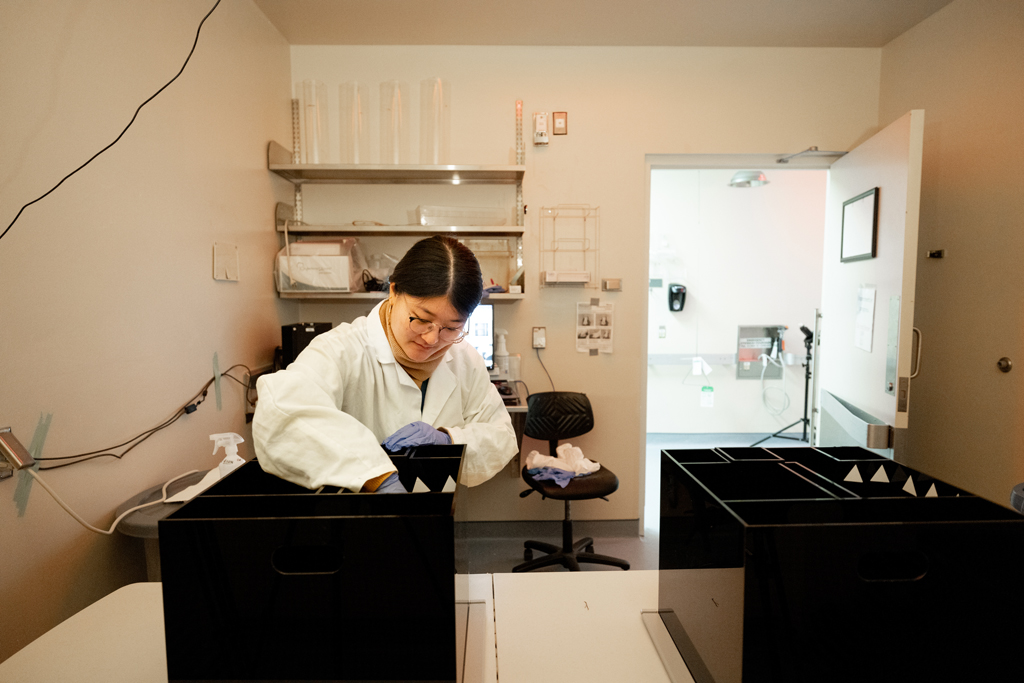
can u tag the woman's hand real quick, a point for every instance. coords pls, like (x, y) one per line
(415, 434)
(391, 485)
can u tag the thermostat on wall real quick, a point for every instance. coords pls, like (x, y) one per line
(540, 128)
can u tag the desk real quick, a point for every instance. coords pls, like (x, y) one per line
(546, 626)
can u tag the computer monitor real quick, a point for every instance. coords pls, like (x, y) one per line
(481, 332)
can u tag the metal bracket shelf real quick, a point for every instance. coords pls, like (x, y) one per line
(279, 161)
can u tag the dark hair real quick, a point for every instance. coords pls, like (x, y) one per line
(441, 266)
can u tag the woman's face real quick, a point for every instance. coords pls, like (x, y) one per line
(436, 310)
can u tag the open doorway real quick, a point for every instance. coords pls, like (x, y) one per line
(749, 257)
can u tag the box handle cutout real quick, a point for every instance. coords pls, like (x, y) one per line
(307, 559)
(910, 565)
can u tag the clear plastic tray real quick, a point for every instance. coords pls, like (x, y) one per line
(461, 215)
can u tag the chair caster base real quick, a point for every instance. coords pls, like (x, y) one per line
(582, 551)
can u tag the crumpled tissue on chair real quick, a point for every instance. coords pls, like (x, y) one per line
(569, 458)
(560, 477)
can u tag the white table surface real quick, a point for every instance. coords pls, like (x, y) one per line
(576, 626)
(118, 638)
(535, 627)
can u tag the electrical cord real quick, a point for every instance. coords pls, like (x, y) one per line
(765, 359)
(90, 527)
(545, 370)
(189, 407)
(519, 381)
(118, 138)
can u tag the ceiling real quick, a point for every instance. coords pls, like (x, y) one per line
(719, 23)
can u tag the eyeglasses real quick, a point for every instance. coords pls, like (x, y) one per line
(451, 335)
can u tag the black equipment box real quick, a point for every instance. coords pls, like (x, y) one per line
(264, 580)
(834, 564)
(294, 338)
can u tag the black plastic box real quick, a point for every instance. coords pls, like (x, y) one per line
(786, 568)
(264, 580)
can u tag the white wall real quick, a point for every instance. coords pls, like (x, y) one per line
(965, 67)
(748, 256)
(622, 104)
(110, 317)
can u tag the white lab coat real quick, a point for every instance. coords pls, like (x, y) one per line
(322, 420)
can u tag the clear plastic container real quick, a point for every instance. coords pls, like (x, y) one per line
(354, 101)
(394, 123)
(461, 215)
(435, 121)
(314, 145)
(334, 266)
(496, 257)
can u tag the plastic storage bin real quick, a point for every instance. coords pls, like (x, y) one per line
(334, 266)
(785, 568)
(461, 215)
(264, 580)
(497, 258)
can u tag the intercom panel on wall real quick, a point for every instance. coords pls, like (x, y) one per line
(755, 341)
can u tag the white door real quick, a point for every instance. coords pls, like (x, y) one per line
(866, 337)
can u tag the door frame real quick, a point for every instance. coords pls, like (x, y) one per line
(653, 162)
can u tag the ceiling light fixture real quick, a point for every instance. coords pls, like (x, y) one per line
(748, 179)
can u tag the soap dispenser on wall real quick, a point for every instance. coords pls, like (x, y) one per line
(676, 297)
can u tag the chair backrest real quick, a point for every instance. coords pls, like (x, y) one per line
(555, 415)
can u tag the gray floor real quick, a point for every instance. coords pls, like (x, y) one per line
(496, 547)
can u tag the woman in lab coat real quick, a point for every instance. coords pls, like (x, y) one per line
(397, 377)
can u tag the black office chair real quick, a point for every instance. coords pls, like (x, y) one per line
(552, 416)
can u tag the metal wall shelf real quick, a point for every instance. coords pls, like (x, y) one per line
(377, 296)
(288, 218)
(411, 230)
(279, 161)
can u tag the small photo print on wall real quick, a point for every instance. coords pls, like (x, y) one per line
(594, 327)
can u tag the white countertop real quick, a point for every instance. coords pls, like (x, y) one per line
(535, 627)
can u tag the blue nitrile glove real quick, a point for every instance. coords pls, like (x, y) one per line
(415, 434)
(494, 289)
(391, 485)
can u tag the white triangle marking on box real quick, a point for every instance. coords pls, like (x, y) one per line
(881, 476)
(909, 487)
(932, 493)
(854, 475)
(449, 485)
(420, 487)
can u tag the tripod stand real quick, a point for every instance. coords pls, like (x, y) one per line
(808, 343)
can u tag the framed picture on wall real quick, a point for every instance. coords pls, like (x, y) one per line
(860, 227)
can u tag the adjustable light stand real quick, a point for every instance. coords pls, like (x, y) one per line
(808, 343)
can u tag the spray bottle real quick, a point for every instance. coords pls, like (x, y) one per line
(230, 462)
(230, 441)
(501, 352)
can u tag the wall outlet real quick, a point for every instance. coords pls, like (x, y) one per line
(540, 340)
(250, 395)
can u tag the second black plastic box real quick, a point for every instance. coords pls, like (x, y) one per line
(802, 565)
